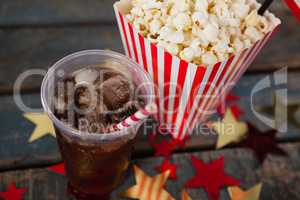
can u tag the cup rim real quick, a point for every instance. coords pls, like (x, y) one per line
(102, 136)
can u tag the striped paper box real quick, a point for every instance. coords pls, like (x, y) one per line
(186, 93)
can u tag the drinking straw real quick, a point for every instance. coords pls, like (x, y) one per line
(141, 114)
(265, 6)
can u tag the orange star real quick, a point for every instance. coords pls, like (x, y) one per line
(185, 195)
(237, 193)
(148, 188)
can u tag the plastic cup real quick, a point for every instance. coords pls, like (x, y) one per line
(94, 163)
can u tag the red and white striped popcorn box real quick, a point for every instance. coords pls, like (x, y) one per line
(187, 94)
(294, 5)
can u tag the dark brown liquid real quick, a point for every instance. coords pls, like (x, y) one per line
(91, 170)
(94, 169)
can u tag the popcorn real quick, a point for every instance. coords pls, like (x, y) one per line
(155, 26)
(201, 31)
(150, 4)
(176, 37)
(179, 6)
(182, 21)
(237, 45)
(201, 5)
(210, 33)
(209, 58)
(253, 34)
(240, 9)
(200, 18)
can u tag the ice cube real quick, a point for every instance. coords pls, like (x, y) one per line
(86, 76)
(85, 97)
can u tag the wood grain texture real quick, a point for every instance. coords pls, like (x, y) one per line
(33, 12)
(37, 12)
(15, 130)
(27, 49)
(280, 175)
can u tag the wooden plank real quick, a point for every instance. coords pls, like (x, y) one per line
(39, 48)
(35, 12)
(280, 175)
(15, 130)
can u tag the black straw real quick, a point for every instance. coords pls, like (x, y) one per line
(264, 7)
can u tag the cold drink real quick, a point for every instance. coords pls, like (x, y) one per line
(84, 95)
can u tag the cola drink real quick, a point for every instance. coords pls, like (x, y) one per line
(95, 90)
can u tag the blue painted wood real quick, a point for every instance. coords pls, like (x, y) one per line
(34, 12)
(39, 48)
(279, 175)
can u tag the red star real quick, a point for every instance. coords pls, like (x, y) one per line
(151, 137)
(232, 97)
(167, 165)
(13, 193)
(262, 143)
(210, 176)
(163, 148)
(236, 111)
(59, 168)
(180, 142)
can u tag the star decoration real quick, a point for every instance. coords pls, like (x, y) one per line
(13, 193)
(148, 188)
(210, 176)
(237, 193)
(232, 97)
(262, 143)
(229, 130)
(151, 137)
(185, 195)
(59, 168)
(236, 111)
(164, 148)
(43, 127)
(180, 142)
(167, 166)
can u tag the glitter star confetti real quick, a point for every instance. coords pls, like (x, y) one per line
(229, 130)
(148, 188)
(236, 193)
(43, 125)
(211, 177)
(164, 148)
(262, 143)
(166, 165)
(185, 195)
(13, 193)
(180, 142)
(58, 168)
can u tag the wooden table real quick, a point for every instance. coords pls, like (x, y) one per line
(34, 34)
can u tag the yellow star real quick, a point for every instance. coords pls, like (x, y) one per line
(185, 195)
(43, 124)
(237, 193)
(229, 130)
(148, 188)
